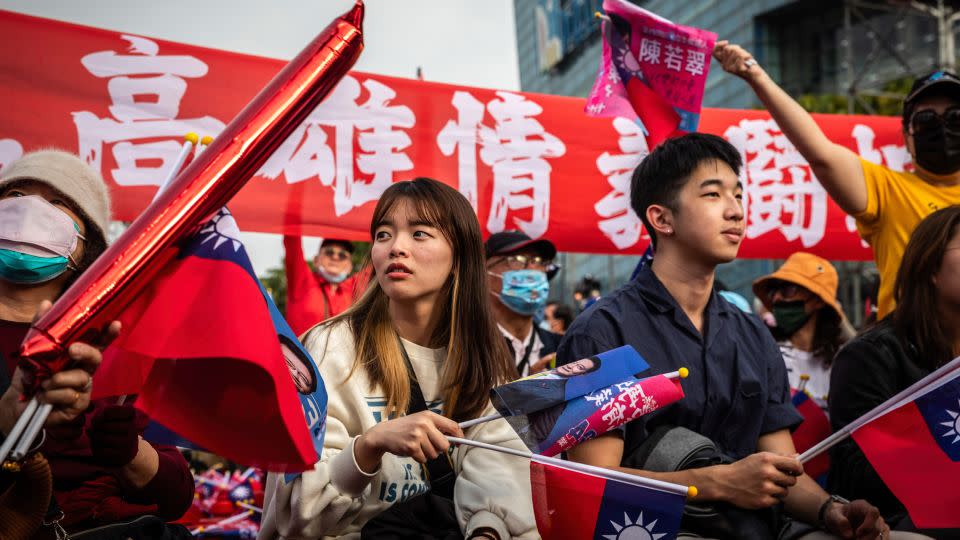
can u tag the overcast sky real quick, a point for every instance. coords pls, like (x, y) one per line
(467, 42)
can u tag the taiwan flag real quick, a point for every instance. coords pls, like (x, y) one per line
(214, 364)
(561, 427)
(571, 504)
(915, 448)
(567, 382)
(814, 428)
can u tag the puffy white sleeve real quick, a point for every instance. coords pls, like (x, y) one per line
(493, 488)
(326, 500)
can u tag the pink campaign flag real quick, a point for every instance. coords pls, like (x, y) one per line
(559, 428)
(652, 71)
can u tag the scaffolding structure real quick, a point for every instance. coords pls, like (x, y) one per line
(887, 48)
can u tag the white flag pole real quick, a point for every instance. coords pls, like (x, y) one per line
(669, 487)
(190, 140)
(894, 402)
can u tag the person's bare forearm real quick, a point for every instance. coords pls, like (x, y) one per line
(837, 167)
(708, 489)
(144, 466)
(795, 122)
(804, 500)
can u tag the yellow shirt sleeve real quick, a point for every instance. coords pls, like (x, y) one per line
(877, 179)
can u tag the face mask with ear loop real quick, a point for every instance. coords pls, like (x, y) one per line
(936, 140)
(37, 240)
(333, 278)
(790, 316)
(523, 291)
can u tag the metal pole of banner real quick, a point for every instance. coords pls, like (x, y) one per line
(848, 56)
(611, 277)
(946, 18)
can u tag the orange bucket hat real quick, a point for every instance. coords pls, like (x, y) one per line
(807, 270)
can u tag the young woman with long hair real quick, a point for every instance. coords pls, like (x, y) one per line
(922, 334)
(423, 319)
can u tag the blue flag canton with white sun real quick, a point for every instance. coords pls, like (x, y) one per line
(631, 512)
(941, 411)
(219, 239)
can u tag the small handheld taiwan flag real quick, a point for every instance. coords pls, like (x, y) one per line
(915, 448)
(572, 504)
(561, 427)
(214, 364)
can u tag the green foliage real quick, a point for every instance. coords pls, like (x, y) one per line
(275, 282)
(360, 252)
(887, 105)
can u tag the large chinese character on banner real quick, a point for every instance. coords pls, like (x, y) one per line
(375, 124)
(620, 223)
(145, 131)
(780, 191)
(516, 147)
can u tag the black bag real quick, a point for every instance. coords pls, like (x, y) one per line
(670, 449)
(424, 516)
(431, 515)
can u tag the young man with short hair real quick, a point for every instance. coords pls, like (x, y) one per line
(688, 194)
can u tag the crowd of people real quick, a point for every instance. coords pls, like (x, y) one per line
(410, 346)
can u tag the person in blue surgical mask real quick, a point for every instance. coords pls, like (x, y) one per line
(517, 277)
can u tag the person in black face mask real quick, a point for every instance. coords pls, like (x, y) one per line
(886, 202)
(802, 295)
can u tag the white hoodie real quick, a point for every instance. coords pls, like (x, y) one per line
(336, 498)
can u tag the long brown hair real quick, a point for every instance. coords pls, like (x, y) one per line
(828, 335)
(916, 319)
(477, 357)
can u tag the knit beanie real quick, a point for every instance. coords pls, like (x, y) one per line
(71, 176)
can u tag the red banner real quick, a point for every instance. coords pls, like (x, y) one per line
(526, 161)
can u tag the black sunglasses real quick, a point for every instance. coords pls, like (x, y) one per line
(336, 254)
(785, 288)
(930, 119)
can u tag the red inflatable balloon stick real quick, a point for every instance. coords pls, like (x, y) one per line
(102, 292)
